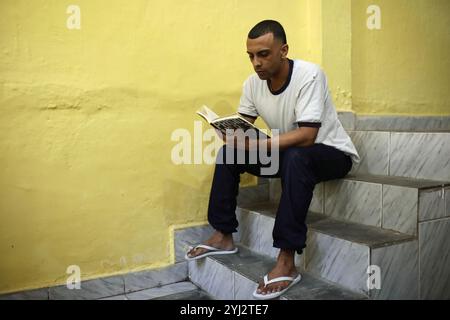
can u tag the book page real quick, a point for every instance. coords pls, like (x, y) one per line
(237, 122)
(207, 113)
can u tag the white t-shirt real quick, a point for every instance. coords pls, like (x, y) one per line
(304, 100)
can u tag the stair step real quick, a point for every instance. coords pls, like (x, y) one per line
(197, 294)
(372, 237)
(393, 203)
(399, 181)
(341, 252)
(236, 276)
(394, 123)
(409, 154)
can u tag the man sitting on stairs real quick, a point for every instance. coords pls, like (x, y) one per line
(291, 96)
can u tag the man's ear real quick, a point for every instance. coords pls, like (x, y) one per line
(284, 50)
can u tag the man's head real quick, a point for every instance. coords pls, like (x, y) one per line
(267, 48)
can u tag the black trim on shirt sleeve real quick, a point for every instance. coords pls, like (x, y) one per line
(247, 115)
(310, 124)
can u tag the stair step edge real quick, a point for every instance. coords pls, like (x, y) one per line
(373, 237)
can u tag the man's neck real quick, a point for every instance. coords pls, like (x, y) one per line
(278, 80)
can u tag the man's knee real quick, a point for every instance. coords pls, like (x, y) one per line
(298, 157)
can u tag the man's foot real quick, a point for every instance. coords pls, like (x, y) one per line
(278, 271)
(217, 240)
(285, 267)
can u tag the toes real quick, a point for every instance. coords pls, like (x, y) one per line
(194, 252)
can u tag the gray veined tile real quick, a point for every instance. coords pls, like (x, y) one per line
(447, 202)
(369, 236)
(431, 204)
(373, 149)
(190, 236)
(399, 181)
(252, 194)
(347, 119)
(311, 288)
(237, 261)
(274, 190)
(420, 155)
(318, 198)
(246, 262)
(265, 208)
(90, 290)
(434, 259)
(249, 268)
(156, 277)
(256, 230)
(37, 294)
(243, 287)
(400, 209)
(402, 123)
(188, 295)
(399, 271)
(265, 229)
(161, 291)
(119, 297)
(354, 201)
(213, 277)
(337, 260)
(248, 229)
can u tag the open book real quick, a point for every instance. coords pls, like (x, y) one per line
(233, 122)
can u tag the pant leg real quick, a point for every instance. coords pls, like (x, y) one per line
(301, 169)
(225, 188)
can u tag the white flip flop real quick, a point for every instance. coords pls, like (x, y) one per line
(274, 295)
(212, 251)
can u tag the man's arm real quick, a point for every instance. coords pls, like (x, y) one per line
(248, 118)
(300, 137)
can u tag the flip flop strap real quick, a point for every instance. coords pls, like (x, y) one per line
(267, 281)
(204, 246)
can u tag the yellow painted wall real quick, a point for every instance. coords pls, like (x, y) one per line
(403, 68)
(87, 115)
(86, 119)
(336, 51)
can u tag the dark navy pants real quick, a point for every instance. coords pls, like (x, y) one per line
(300, 169)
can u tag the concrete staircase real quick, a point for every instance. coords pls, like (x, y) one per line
(391, 214)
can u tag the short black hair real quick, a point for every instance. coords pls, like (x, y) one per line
(268, 26)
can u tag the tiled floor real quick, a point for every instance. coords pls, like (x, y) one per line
(176, 291)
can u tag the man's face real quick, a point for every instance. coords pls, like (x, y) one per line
(266, 55)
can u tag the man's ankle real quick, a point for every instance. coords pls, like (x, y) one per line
(224, 236)
(286, 258)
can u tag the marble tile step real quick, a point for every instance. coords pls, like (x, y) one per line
(352, 121)
(197, 294)
(370, 236)
(393, 203)
(114, 287)
(235, 277)
(423, 155)
(252, 194)
(184, 290)
(341, 251)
